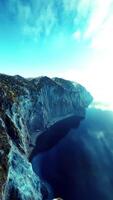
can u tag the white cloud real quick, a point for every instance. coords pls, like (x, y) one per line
(33, 22)
(37, 18)
(104, 37)
(100, 27)
(83, 7)
(77, 35)
(20, 10)
(47, 17)
(99, 13)
(80, 7)
(69, 5)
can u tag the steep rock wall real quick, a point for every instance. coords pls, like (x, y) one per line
(27, 108)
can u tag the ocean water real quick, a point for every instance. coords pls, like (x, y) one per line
(80, 165)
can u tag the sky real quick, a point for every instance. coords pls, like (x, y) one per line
(72, 39)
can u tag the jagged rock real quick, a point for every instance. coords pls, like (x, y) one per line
(28, 107)
(22, 182)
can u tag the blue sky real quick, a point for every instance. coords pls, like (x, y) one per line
(67, 38)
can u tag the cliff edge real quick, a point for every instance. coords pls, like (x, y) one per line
(28, 107)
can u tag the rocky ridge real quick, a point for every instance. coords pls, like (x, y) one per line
(27, 108)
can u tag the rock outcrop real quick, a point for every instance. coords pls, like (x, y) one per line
(28, 107)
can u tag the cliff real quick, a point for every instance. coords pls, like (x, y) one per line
(29, 107)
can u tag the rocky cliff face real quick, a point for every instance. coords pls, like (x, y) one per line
(28, 107)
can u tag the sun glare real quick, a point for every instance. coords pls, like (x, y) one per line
(97, 77)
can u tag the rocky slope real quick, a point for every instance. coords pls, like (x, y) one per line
(28, 107)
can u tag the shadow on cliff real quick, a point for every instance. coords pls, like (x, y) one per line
(50, 137)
